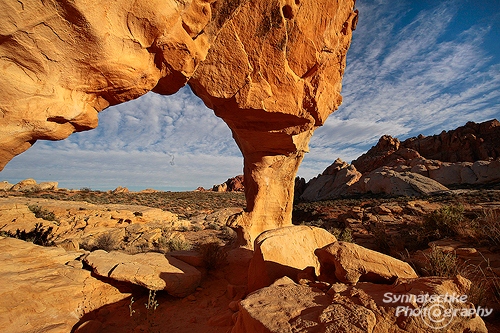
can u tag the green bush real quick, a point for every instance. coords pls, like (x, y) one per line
(42, 213)
(446, 221)
(342, 234)
(105, 242)
(441, 263)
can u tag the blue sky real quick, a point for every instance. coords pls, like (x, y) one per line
(414, 67)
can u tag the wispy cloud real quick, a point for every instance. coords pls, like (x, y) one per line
(409, 71)
(408, 74)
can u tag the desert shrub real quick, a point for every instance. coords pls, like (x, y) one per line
(42, 213)
(485, 286)
(176, 244)
(382, 238)
(213, 226)
(213, 254)
(171, 242)
(487, 226)
(196, 227)
(227, 234)
(441, 263)
(105, 242)
(342, 234)
(446, 221)
(38, 235)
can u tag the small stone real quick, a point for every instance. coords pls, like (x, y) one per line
(234, 305)
(337, 288)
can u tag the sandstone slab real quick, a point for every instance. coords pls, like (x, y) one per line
(399, 183)
(285, 252)
(154, 271)
(350, 263)
(40, 293)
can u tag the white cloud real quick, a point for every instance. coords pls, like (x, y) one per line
(406, 79)
(408, 72)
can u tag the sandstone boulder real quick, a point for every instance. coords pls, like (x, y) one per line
(334, 182)
(399, 183)
(5, 186)
(41, 293)
(154, 271)
(350, 263)
(285, 252)
(365, 308)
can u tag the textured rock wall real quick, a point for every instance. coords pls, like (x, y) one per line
(271, 69)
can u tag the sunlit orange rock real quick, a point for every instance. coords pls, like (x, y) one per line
(272, 70)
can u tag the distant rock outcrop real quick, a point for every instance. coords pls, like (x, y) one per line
(235, 184)
(469, 143)
(470, 155)
(30, 185)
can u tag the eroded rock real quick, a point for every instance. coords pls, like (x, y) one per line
(271, 70)
(350, 263)
(151, 270)
(40, 292)
(289, 307)
(285, 252)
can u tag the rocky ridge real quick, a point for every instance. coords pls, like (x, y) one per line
(469, 157)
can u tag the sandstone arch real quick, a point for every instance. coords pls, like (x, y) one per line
(271, 69)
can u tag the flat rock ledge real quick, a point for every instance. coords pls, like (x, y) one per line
(151, 270)
(41, 291)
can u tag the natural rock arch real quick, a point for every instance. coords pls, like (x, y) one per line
(271, 69)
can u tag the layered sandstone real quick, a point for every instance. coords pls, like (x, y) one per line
(271, 70)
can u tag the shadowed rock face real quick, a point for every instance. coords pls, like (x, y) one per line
(271, 70)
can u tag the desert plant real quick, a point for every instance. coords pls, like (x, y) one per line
(196, 227)
(382, 238)
(446, 221)
(487, 226)
(105, 242)
(342, 234)
(213, 226)
(150, 314)
(213, 254)
(441, 263)
(178, 244)
(227, 234)
(183, 228)
(42, 213)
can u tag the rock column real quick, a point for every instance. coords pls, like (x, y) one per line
(273, 74)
